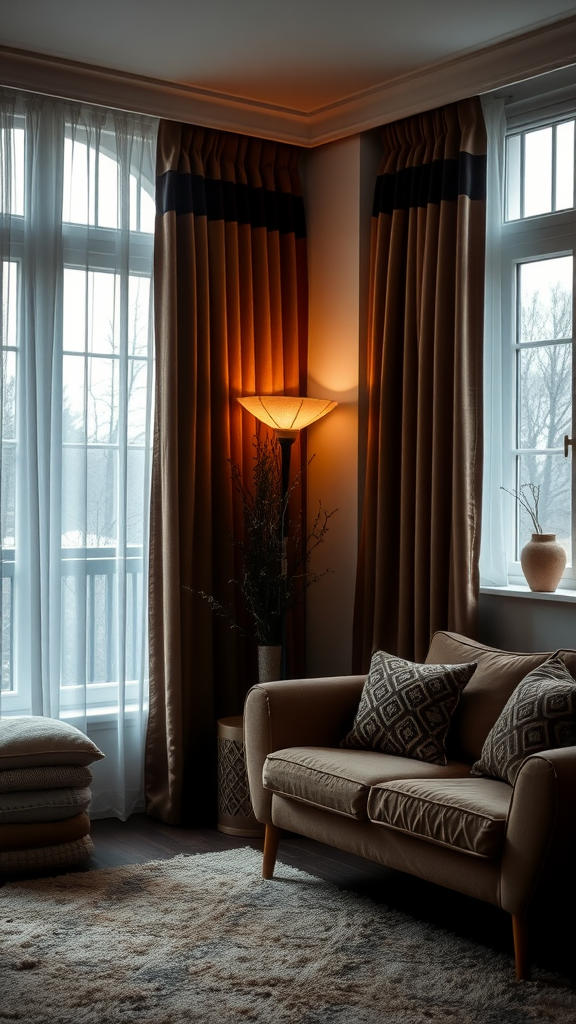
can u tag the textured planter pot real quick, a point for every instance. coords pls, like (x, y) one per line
(235, 813)
(543, 561)
(269, 660)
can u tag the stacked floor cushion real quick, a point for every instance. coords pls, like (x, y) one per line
(44, 794)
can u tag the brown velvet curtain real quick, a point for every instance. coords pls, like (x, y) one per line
(420, 537)
(230, 286)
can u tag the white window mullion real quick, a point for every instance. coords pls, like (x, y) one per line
(554, 155)
(571, 454)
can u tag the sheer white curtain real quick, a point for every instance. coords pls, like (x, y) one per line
(77, 215)
(493, 560)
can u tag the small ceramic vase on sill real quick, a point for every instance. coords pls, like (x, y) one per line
(543, 561)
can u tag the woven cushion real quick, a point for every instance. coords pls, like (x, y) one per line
(539, 715)
(463, 814)
(405, 708)
(60, 855)
(43, 805)
(33, 740)
(59, 776)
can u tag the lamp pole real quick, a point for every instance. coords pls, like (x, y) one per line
(285, 439)
(287, 416)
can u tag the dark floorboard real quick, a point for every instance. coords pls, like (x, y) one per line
(141, 839)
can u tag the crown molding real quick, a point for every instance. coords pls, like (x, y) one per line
(514, 60)
(508, 61)
(36, 72)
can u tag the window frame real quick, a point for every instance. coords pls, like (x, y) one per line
(540, 236)
(86, 247)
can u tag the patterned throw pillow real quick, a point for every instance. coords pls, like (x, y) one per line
(405, 708)
(539, 715)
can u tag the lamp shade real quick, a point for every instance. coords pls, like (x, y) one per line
(285, 413)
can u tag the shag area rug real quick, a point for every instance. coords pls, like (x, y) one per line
(204, 939)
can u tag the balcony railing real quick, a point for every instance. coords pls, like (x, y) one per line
(101, 609)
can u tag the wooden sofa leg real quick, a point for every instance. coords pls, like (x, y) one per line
(271, 840)
(521, 952)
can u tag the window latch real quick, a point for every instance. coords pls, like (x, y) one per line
(567, 441)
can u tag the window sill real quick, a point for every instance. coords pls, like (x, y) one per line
(96, 718)
(104, 717)
(516, 590)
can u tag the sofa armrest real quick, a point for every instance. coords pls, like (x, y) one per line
(293, 713)
(541, 822)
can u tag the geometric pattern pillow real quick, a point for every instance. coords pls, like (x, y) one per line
(405, 708)
(539, 715)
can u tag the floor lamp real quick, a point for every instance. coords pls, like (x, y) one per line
(287, 416)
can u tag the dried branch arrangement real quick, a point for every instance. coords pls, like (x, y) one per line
(275, 571)
(528, 497)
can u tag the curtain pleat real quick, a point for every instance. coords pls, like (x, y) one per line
(231, 320)
(420, 536)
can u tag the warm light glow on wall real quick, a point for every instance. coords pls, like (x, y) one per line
(286, 414)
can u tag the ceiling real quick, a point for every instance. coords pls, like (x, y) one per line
(298, 62)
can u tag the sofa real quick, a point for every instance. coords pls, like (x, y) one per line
(457, 824)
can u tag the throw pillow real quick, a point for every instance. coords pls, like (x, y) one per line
(539, 715)
(405, 708)
(33, 740)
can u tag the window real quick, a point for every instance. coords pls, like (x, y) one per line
(538, 233)
(77, 217)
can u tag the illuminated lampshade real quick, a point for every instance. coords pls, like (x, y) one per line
(286, 414)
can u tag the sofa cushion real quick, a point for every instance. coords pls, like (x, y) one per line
(540, 715)
(340, 780)
(405, 708)
(32, 740)
(464, 814)
(43, 805)
(497, 675)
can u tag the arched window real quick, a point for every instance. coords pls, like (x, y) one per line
(77, 209)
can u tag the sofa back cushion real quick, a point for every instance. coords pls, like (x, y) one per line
(540, 715)
(482, 700)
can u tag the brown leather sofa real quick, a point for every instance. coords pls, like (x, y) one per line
(486, 838)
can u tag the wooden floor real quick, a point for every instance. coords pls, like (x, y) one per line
(142, 839)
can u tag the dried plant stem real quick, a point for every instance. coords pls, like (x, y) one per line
(529, 504)
(274, 576)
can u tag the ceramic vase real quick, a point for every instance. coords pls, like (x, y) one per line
(543, 561)
(269, 660)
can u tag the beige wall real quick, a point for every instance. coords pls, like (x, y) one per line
(338, 181)
(526, 623)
